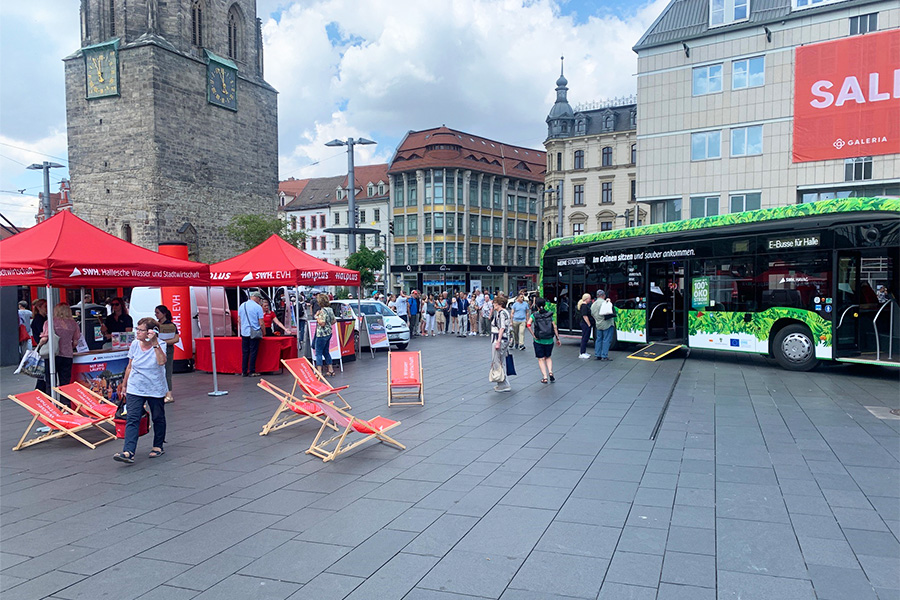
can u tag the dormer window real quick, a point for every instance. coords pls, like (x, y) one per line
(381, 189)
(725, 12)
(608, 121)
(632, 118)
(370, 190)
(580, 126)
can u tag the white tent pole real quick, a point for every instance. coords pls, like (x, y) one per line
(212, 347)
(82, 314)
(51, 361)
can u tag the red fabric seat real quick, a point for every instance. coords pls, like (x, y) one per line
(302, 408)
(67, 421)
(371, 426)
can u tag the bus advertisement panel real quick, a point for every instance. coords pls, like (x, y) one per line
(847, 97)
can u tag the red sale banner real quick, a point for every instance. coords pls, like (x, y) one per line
(847, 97)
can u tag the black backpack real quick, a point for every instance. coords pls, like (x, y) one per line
(543, 325)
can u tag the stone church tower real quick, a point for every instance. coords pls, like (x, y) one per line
(172, 129)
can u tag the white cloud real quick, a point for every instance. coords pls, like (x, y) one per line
(484, 66)
(15, 156)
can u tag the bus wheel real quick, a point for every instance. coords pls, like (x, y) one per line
(794, 348)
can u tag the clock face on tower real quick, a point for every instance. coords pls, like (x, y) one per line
(221, 86)
(101, 70)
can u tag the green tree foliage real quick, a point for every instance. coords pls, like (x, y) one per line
(249, 231)
(366, 261)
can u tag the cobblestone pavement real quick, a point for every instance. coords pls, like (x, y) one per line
(762, 484)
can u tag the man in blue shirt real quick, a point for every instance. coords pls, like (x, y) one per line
(413, 307)
(462, 307)
(251, 323)
(519, 317)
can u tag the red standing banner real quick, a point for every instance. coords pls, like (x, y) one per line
(847, 97)
(178, 299)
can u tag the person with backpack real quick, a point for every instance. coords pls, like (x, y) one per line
(604, 315)
(543, 328)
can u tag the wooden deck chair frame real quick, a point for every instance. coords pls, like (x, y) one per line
(297, 367)
(58, 430)
(67, 391)
(345, 422)
(409, 394)
(285, 415)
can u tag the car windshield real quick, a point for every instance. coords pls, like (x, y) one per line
(369, 309)
(386, 311)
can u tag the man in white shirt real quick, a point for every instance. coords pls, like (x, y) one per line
(252, 324)
(402, 306)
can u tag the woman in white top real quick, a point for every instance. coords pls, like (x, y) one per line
(145, 382)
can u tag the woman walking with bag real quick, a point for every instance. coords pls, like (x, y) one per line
(587, 323)
(542, 327)
(500, 324)
(430, 315)
(145, 383)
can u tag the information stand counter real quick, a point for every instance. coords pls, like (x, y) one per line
(228, 353)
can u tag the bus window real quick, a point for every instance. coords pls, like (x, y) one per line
(731, 283)
(796, 281)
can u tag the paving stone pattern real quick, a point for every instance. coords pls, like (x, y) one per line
(762, 484)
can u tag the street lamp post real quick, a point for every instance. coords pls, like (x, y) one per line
(351, 199)
(45, 167)
(387, 260)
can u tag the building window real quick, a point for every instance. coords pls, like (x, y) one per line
(439, 222)
(606, 225)
(302, 222)
(412, 190)
(706, 145)
(337, 218)
(362, 216)
(126, 232)
(704, 206)
(520, 229)
(863, 24)
(578, 195)
(858, 169)
(577, 228)
(511, 228)
(532, 230)
(707, 80)
(634, 190)
(497, 228)
(427, 223)
(742, 202)
(294, 223)
(531, 254)
(496, 252)
(322, 221)
(579, 159)
(112, 20)
(748, 73)
(322, 242)
(197, 23)
(485, 254)
(634, 154)
(429, 256)
(559, 161)
(412, 254)
(412, 225)
(811, 3)
(606, 192)
(378, 215)
(724, 12)
(314, 243)
(485, 226)
(632, 119)
(399, 226)
(746, 141)
(234, 33)
(381, 189)
(607, 156)
(665, 211)
(609, 122)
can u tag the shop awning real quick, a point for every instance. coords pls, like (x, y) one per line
(68, 252)
(275, 262)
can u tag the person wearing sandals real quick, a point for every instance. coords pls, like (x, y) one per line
(168, 332)
(543, 328)
(324, 323)
(145, 383)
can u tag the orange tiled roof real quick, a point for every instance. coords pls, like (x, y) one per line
(445, 147)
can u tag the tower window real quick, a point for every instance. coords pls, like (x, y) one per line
(126, 232)
(112, 18)
(234, 33)
(197, 23)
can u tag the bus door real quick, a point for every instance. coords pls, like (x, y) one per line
(846, 304)
(665, 301)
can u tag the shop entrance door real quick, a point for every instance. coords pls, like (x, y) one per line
(665, 301)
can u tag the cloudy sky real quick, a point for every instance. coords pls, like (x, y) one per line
(351, 68)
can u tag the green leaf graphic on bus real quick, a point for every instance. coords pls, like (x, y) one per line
(760, 324)
(631, 320)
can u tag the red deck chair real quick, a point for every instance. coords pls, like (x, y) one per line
(309, 381)
(290, 410)
(91, 404)
(406, 379)
(61, 420)
(345, 422)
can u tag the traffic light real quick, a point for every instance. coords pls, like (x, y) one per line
(355, 216)
(391, 227)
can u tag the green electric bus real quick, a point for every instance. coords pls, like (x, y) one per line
(800, 283)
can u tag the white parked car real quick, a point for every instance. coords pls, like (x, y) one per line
(397, 329)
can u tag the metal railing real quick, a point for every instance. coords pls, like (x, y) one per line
(892, 303)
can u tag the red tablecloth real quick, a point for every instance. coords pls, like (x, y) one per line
(228, 353)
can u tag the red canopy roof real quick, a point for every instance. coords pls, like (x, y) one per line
(65, 251)
(275, 262)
